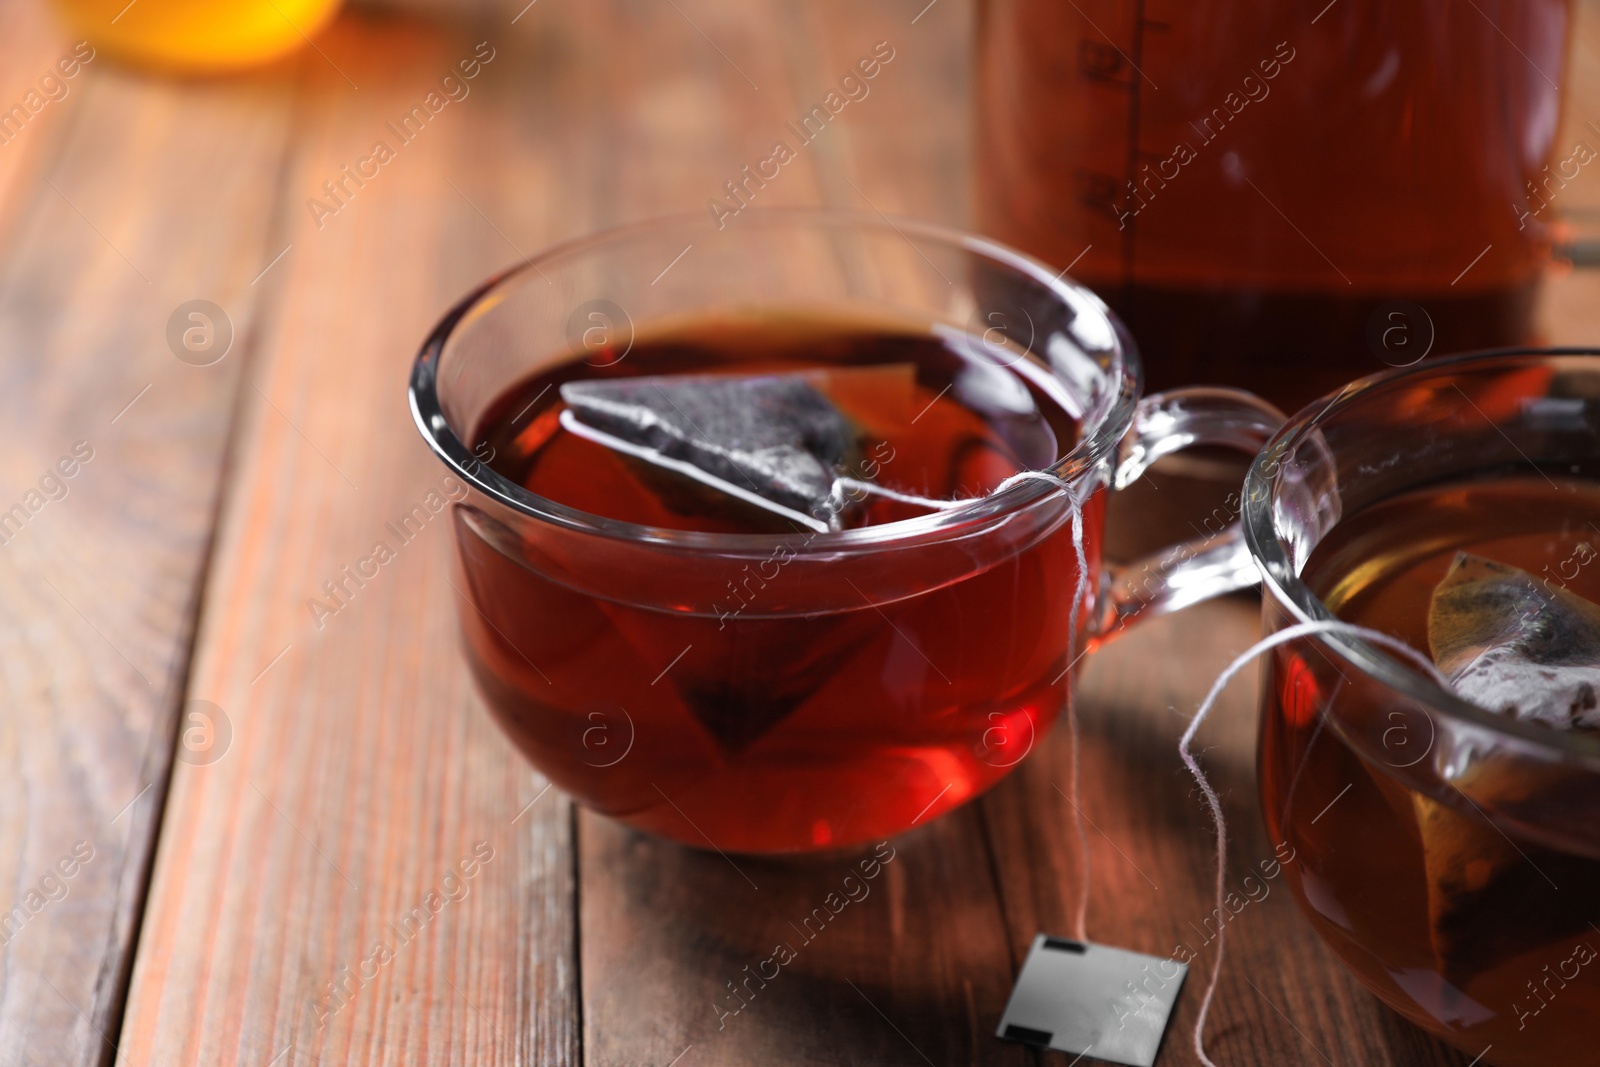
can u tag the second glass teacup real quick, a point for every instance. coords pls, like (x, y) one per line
(1448, 854)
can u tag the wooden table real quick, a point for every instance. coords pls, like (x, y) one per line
(232, 897)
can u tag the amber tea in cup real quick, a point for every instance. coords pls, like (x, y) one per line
(855, 717)
(1448, 849)
(745, 561)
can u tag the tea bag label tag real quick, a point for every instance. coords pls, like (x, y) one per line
(1094, 1000)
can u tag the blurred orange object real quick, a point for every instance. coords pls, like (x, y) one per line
(198, 36)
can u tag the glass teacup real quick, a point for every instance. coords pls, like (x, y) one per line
(871, 679)
(1448, 854)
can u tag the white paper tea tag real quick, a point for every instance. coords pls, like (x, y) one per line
(1094, 1000)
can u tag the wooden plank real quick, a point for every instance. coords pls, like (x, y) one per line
(31, 45)
(915, 970)
(362, 772)
(100, 570)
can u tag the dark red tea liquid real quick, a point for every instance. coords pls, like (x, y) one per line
(734, 721)
(1473, 929)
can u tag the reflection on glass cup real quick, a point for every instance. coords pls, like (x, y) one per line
(1449, 855)
(875, 677)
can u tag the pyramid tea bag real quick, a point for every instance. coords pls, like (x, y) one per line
(1514, 646)
(1511, 645)
(777, 442)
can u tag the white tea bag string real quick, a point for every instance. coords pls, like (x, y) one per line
(1214, 802)
(1079, 593)
(1081, 916)
(841, 486)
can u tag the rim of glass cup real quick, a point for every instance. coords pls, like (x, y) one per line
(1115, 411)
(1280, 578)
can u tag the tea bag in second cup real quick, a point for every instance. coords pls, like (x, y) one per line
(1512, 645)
(1509, 644)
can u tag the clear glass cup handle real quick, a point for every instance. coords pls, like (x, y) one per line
(1206, 566)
